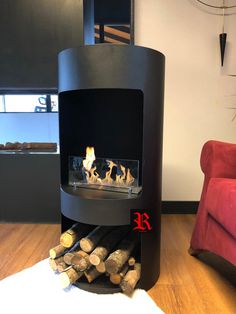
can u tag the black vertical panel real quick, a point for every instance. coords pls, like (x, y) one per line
(36, 196)
(33, 33)
(88, 21)
(112, 12)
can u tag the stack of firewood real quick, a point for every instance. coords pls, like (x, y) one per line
(90, 252)
(27, 146)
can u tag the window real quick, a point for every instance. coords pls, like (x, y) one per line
(28, 103)
(114, 21)
(112, 34)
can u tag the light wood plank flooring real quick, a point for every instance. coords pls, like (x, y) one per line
(186, 284)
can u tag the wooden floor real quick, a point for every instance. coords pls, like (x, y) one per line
(186, 284)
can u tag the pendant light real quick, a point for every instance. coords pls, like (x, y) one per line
(223, 35)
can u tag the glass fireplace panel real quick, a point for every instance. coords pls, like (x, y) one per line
(117, 175)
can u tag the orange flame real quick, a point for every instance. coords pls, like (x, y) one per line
(125, 179)
(90, 157)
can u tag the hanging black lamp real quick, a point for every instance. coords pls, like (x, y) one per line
(223, 37)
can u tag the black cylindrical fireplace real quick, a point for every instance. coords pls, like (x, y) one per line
(111, 98)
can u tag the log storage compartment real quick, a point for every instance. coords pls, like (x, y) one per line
(106, 256)
(111, 129)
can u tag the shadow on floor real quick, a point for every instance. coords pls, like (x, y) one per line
(220, 265)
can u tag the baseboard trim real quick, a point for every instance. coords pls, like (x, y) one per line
(179, 207)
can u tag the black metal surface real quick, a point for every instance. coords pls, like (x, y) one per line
(101, 285)
(133, 79)
(112, 12)
(179, 207)
(30, 187)
(97, 207)
(33, 33)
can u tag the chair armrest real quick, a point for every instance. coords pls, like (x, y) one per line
(218, 159)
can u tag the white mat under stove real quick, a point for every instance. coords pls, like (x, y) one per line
(38, 290)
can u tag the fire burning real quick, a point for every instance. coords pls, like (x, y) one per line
(116, 174)
(90, 157)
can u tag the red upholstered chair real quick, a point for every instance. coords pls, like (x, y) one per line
(215, 228)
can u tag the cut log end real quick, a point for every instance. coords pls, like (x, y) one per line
(101, 267)
(62, 266)
(92, 274)
(94, 259)
(67, 240)
(115, 279)
(131, 261)
(86, 245)
(65, 280)
(68, 257)
(118, 258)
(69, 277)
(81, 263)
(89, 242)
(57, 251)
(111, 266)
(52, 253)
(126, 287)
(130, 280)
(53, 264)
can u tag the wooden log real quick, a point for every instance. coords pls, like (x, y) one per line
(130, 280)
(39, 145)
(68, 257)
(72, 254)
(117, 259)
(69, 276)
(75, 233)
(131, 261)
(136, 252)
(53, 262)
(81, 262)
(80, 254)
(62, 266)
(101, 267)
(107, 244)
(89, 242)
(92, 274)
(116, 278)
(57, 251)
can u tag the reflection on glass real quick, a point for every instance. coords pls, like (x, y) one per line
(105, 174)
(28, 103)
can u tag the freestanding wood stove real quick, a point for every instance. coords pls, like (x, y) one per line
(111, 98)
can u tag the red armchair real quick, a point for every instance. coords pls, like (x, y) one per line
(215, 227)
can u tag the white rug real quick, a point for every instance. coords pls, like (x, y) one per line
(38, 290)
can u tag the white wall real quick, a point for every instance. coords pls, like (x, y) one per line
(196, 89)
(29, 127)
